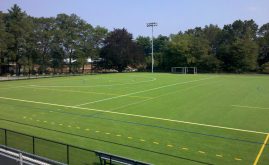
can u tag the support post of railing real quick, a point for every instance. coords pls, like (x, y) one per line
(5, 137)
(67, 152)
(33, 145)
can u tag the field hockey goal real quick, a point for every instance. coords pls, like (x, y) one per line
(184, 70)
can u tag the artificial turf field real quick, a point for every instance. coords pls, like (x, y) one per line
(156, 118)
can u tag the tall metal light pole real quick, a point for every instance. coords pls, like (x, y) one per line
(152, 24)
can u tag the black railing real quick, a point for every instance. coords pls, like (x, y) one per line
(57, 151)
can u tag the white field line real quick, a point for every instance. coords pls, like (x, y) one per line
(60, 90)
(134, 115)
(152, 89)
(89, 86)
(138, 102)
(243, 106)
(11, 87)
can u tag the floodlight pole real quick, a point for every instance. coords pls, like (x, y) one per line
(152, 24)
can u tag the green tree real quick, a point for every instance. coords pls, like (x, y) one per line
(145, 43)
(178, 51)
(43, 34)
(68, 30)
(263, 42)
(18, 26)
(4, 39)
(120, 50)
(238, 49)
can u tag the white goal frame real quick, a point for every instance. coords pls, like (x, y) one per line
(184, 70)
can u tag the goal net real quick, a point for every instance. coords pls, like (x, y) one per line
(184, 70)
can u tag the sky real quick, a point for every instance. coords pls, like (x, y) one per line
(172, 16)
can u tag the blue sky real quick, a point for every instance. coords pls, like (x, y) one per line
(171, 15)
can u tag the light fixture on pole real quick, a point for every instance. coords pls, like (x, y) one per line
(152, 24)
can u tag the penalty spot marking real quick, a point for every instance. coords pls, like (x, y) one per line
(139, 116)
(261, 150)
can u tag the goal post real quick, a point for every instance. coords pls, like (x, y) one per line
(184, 70)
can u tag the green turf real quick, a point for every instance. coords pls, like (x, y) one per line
(139, 115)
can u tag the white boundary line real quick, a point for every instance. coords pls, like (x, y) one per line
(134, 115)
(152, 89)
(244, 106)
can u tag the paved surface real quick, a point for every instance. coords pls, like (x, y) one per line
(7, 161)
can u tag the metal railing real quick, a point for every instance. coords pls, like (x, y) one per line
(60, 152)
(19, 157)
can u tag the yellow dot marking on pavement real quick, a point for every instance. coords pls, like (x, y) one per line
(219, 156)
(169, 145)
(155, 142)
(238, 159)
(118, 135)
(201, 152)
(185, 148)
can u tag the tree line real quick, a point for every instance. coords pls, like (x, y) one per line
(67, 41)
(237, 47)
